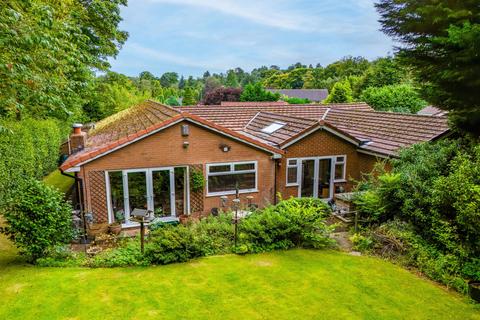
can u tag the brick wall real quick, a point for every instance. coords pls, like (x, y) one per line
(323, 143)
(166, 148)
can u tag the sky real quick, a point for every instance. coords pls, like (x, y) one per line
(192, 36)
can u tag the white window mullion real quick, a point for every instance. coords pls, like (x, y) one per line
(126, 201)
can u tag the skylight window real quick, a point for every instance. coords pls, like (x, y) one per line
(273, 127)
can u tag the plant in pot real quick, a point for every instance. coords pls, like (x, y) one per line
(116, 226)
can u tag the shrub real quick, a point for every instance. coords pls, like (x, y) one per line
(397, 98)
(340, 93)
(291, 223)
(171, 244)
(38, 219)
(295, 100)
(126, 255)
(255, 92)
(216, 96)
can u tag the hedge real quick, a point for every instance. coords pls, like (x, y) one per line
(28, 149)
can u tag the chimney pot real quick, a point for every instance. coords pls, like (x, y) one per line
(77, 128)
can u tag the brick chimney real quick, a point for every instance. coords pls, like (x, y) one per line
(78, 138)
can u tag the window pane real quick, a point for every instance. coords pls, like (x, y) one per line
(340, 159)
(137, 190)
(228, 182)
(116, 193)
(292, 175)
(292, 162)
(245, 166)
(324, 174)
(220, 168)
(339, 171)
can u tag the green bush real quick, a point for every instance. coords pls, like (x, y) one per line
(295, 100)
(171, 244)
(28, 148)
(291, 223)
(435, 189)
(126, 255)
(397, 98)
(38, 219)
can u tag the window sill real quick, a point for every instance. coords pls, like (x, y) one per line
(226, 193)
(340, 181)
(291, 185)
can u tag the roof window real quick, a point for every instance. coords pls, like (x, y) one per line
(273, 127)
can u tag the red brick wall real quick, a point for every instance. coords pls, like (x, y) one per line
(165, 148)
(323, 143)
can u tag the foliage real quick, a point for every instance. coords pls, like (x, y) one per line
(197, 180)
(255, 92)
(169, 79)
(38, 219)
(295, 100)
(435, 189)
(291, 223)
(189, 97)
(171, 244)
(435, 34)
(59, 181)
(126, 255)
(172, 101)
(29, 148)
(216, 96)
(396, 98)
(383, 72)
(341, 92)
(49, 50)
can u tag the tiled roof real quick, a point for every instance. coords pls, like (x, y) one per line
(255, 104)
(139, 121)
(432, 111)
(292, 127)
(381, 133)
(387, 132)
(316, 95)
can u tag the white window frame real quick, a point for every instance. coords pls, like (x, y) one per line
(149, 181)
(333, 159)
(296, 165)
(232, 171)
(344, 162)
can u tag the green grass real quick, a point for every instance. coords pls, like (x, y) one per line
(296, 284)
(61, 182)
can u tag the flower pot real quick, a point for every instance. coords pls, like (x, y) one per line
(474, 290)
(94, 230)
(115, 228)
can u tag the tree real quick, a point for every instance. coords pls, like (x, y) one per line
(216, 96)
(172, 101)
(181, 83)
(146, 75)
(189, 97)
(341, 92)
(169, 79)
(255, 92)
(49, 51)
(440, 43)
(38, 219)
(383, 72)
(231, 80)
(347, 66)
(397, 98)
(211, 83)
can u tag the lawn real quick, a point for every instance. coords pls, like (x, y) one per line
(296, 284)
(61, 182)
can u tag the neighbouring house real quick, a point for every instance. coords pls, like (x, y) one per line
(432, 111)
(149, 155)
(314, 95)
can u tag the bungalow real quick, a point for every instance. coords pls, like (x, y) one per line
(155, 157)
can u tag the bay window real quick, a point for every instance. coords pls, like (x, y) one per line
(222, 178)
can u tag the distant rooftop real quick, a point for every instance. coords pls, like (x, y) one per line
(432, 111)
(315, 95)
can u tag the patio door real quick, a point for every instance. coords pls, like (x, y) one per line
(149, 189)
(316, 178)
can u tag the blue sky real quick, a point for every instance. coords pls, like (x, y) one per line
(191, 36)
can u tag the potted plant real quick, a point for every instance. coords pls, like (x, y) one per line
(474, 290)
(116, 227)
